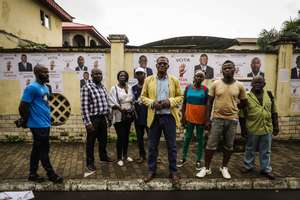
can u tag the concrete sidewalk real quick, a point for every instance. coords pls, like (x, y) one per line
(69, 161)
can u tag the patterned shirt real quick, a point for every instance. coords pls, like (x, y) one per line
(94, 101)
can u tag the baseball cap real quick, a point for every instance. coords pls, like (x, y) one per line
(139, 69)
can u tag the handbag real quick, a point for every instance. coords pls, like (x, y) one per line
(126, 115)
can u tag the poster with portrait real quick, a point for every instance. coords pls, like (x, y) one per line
(295, 71)
(25, 79)
(295, 88)
(295, 106)
(9, 67)
(68, 61)
(295, 84)
(247, 85)
(96, 61)
(183, 65)
(56, 82)
(37, 58)
(54, 63)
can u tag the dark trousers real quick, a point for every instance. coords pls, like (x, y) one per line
(122, 130)
(40, 151)
(100, 133)
(166, 124)
(140, 131)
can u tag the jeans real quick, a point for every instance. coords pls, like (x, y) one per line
(40, 151)
(100, 133)
(162, 123)
(264, 144)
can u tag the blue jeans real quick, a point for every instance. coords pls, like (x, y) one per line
(264, 144)
(162, 123)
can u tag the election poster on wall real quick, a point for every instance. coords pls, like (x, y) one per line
(9, 67)
(83, 62)
(183, 65)
(295, 71)
(25, 79)
(19, 66)
(295, 84)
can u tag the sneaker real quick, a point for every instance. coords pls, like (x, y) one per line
(120, 163)
(198, 165)
(129, 159)
(225, 173)
(203, 172)
(181, 163)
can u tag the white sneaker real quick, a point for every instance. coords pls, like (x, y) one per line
(129, 159)
(120, 163)
(203, 172)
(225, 173)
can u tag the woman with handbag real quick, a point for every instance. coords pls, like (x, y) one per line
(121, 102)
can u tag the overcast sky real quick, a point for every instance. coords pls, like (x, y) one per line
(147, 21)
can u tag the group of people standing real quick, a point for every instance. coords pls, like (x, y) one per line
(153, 105)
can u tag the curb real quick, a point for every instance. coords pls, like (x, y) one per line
(155, 185)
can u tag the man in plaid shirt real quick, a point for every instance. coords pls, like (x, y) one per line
(95, 109)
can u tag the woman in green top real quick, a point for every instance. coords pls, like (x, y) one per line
(193, 115)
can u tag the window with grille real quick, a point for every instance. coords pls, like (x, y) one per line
(60, 109)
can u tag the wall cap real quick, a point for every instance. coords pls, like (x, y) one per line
(118, 38)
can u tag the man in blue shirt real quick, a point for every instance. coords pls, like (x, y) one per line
(35, 114)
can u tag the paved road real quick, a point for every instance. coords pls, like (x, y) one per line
(188, 195)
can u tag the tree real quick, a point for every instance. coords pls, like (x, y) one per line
(290, 31)
(266, 38)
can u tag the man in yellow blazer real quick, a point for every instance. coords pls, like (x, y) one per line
(162, 95)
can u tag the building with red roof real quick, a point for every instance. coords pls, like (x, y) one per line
(82, 35)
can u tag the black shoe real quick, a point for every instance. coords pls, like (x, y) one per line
(198, 165)
(149, 177)
(141, 160)
(36, 178)
(91, 167)
(107, 159)
(245, 171)
(268, 175)
(174, 178)
(56, 179)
